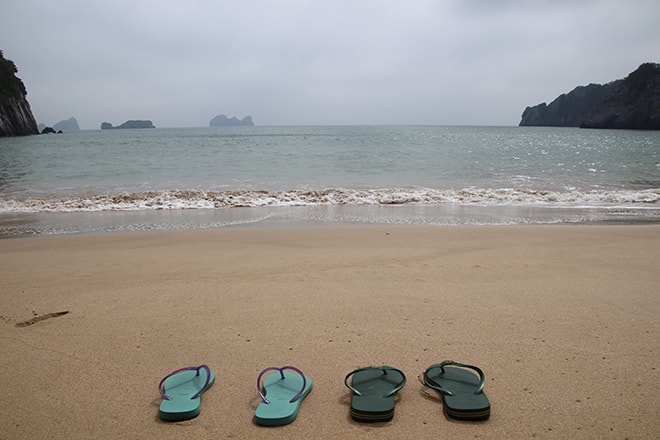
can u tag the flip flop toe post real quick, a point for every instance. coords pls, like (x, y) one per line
(281, 395)
(462, 391)
(182, 390)
(373, 391)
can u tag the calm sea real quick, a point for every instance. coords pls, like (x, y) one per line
(154, 179)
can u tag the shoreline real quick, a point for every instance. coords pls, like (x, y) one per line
(562, 319)
(13, 225)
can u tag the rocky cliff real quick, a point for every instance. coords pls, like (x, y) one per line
(633, 104)
(16, 117)
(224, 121)
(567, 110)
(630, 103)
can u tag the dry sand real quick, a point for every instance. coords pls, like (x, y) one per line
(564, 321)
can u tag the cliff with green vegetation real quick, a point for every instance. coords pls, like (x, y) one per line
(629, 103)
(16, 117)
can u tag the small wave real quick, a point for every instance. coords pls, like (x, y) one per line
(199, 199)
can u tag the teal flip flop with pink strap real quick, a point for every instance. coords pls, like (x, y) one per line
(281, 395)
(182, 390)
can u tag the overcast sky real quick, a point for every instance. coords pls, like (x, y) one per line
(301, 62)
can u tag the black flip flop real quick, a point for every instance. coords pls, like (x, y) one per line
(373, 393)
(462, 391)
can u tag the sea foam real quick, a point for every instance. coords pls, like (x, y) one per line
(201, 199)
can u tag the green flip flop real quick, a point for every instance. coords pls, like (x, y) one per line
(373, 392)
(462, 392)
(285, 392)
(182, 390)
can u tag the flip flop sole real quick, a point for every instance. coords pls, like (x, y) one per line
(372, 417)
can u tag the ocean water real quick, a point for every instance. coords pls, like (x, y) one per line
(154, 179)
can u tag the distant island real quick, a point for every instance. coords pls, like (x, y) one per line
(629, 103)
(129, 124)
(70, 124)
(224, 121)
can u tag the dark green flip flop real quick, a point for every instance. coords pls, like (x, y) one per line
(373, 392)
(281, 395)
(182, 390)
(462, 391)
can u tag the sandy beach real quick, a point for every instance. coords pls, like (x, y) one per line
(564, 321)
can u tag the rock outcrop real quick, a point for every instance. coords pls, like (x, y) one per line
(16, 117)
(224, 121)
(49, 130)
(129, 124)
(629, 103)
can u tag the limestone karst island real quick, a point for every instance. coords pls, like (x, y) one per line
(129, 124)
(224, 121)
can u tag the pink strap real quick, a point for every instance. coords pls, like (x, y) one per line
(161, 385)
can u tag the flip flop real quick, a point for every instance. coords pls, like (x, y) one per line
(462, 392)
(373, 392)
(182, 390)
(285, 392)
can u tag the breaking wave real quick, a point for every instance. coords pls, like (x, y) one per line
(200, 199)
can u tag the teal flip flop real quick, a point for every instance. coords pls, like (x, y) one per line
(462, 392)
(281, 395)
(373, 390)
(182, 390)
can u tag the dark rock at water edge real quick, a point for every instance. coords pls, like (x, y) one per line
(630, 103)
(224, 121)
(49, 130)
(16, 117)
(129, 124)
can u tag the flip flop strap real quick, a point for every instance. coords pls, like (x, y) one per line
(436, 386)
(384, 369)
(281, 370)
(161, 385)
